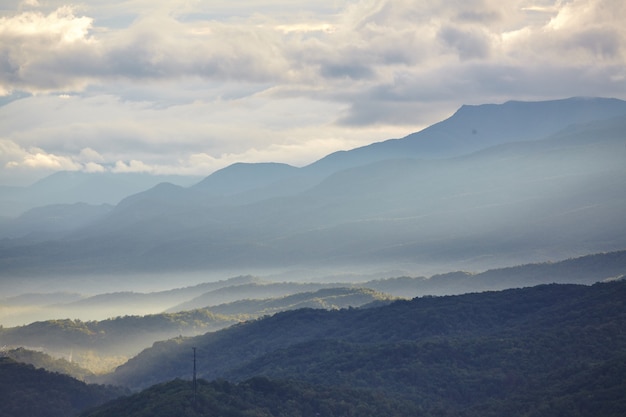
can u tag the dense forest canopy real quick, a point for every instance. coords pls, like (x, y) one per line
(539, 351)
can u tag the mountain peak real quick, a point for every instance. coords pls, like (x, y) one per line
(475, 127)
(241, 176)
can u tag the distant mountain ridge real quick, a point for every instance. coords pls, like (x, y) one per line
(70, 187)
(541, 181)
(242, 294)
(475, 127)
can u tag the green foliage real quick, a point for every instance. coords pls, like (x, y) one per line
(27, 391)
(42, 360)
(552, 350)
(517, 352)
(100, 346)
(256, 397)
(326, 298)
(117, 336)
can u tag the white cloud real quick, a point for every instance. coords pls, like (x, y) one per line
(192, 138)
(132, 166)
(41, 160)
(93, 167)
(88, 155)
(37, 51)
(30, 3)
(193, 86)
(365, 40)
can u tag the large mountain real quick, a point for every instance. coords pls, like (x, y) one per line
(534, 187)
(473, 128)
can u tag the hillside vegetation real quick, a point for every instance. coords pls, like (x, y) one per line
(27, 391)
(549, 350)
(102, 345)
(47, 362)
(542, 351)
(259, 397)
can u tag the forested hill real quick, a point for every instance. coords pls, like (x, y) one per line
(257, 397)
(517, 337)
(541, 351)
(549, 350)
(26, 391)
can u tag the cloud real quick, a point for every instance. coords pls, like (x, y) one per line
(468, 43)
(89, 155)
(132, 166)
(192, 86)
(191, 138)
(37, 50)
(38, 159)
(363, 41)
(92, 167)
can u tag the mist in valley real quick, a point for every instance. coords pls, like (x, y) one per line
(97, 285)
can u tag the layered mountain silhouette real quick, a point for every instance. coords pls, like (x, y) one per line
(491, 185)
(69, 187)
(407, 346)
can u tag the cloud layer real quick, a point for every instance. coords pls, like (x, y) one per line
(189, 87)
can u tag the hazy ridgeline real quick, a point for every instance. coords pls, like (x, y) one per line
(491, 186)
(295, 274)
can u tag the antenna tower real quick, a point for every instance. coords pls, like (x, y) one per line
(195, 383)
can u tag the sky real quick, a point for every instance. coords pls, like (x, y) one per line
(188, 87)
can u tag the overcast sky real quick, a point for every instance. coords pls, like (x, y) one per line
(188, 87)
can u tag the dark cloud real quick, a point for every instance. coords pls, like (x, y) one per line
(478, 16)
(468, 43)
(601, 42)
(355, 72)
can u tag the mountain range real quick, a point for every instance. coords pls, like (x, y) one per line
(492, 185)
(69, 187)
(242, 296)
(108, 329)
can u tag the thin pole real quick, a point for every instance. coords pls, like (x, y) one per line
(195, 384)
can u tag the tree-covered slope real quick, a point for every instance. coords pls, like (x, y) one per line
(96, 344)
(541, 351)
(47, 362)
(595, 391)
(258, 397)
(119, 335)
(493, 351)
(26, 391)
